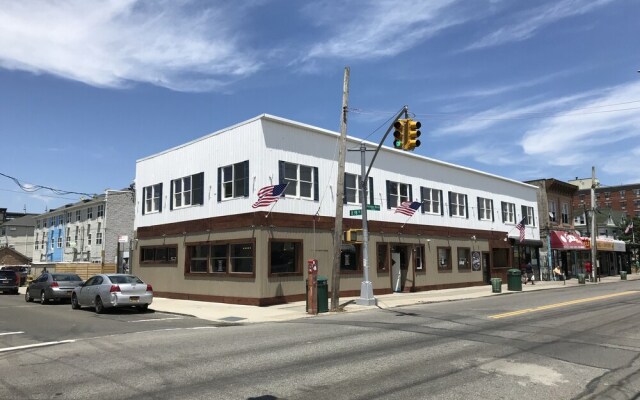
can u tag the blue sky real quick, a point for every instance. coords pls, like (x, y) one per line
(522, 89)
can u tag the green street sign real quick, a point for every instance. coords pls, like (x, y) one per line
(354, 213)
(373, 207)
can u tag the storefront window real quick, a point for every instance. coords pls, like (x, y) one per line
(444, 259)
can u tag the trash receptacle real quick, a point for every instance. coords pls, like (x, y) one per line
(623, 275)
(322, 297)
(514, 279)
(323, 294)
(581, 279)
(496, 285)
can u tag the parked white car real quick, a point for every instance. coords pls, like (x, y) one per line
(106, 291)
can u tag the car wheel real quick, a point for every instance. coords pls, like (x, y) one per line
(143, 308)
(43, 298)
(74, 302)
(99, 305)
(27, 298)
(17, 291)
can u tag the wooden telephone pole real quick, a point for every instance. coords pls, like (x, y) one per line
(337, 231)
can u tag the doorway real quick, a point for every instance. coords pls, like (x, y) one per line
(399, 268)
(486, 268)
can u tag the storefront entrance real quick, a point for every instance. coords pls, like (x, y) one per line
(399, 268)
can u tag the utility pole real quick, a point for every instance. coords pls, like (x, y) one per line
(337, 231)
(595, 270)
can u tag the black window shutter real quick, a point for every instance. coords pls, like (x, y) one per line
(501, 211)
(370, 190)
(246, 178)
(479, 204)
(450, 208)
(441, 203)
(144, 199)
(388, 194)
(422, 199)
(316, 189)
(344, 189)
(160, 196)
(281, 172)
(220, 184)
(493, 212)
(524, 214)
(466, 206)
(198, 188)
(171, 196)
(410, 193)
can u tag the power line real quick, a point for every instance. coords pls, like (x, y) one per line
(30, 188)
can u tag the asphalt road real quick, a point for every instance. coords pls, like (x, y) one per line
(580, 342)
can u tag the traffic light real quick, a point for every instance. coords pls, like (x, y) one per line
(399, 134)
(411, 141)
(353, 236)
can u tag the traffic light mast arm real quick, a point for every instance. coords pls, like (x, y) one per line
(404, 110)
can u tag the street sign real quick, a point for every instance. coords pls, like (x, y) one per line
(354, 213)
(373, 207)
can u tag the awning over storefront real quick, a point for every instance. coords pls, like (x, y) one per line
(563, 240)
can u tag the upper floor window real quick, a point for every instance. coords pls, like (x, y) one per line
(152, 196)
(78, 215)
(89, 212)
(565, 213)
(485, 209)
(68, 238)
(100, 210)
(528, 213)
(302, 180)
(44, 223)
(59, 238)
(553, 211)
(353, 189)
(59, 219)
(68, 218)
(431, 200)
(35, 242)
(607, 195)
(581, 198)
(187, 191)
(458, 205)
(233, 181)
(579, 219)
(397, 193)
(99, 234)
(622, 193)
(37, 224)
(636, 192)
(508, 212)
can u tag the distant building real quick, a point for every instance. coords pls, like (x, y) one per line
(623, 198)
(18, 234)
(8, 215)
(199, 236)
(90, 230)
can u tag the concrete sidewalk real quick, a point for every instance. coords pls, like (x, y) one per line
(231, 313)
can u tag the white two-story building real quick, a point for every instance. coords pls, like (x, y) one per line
(198, 236)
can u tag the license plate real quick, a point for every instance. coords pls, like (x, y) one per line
(4, 281)
(134, 299)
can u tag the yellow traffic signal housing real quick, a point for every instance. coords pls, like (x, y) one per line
(399, 133)
(353, 236)
(412, 135)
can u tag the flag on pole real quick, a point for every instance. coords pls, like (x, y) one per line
(520, 227)
(269, 194)
(629, 228)
(408, 208)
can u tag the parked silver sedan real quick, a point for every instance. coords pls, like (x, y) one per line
(52, 286)
(112, 290)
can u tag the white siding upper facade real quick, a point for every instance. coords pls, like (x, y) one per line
(265, 141)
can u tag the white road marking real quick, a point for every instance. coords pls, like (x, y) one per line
(10, 333)
(30, 346)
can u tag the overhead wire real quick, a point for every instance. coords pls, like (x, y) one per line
(30, 188)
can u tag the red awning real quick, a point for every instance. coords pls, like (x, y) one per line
(566, 240)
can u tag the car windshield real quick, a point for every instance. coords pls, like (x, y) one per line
(65, 277)
(7, 274)
(118, 279)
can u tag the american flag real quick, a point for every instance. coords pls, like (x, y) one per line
(269, 194)
(408, 208)
(520, 227)
(629, 228)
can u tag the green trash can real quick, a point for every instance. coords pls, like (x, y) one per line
(514, 280)
(322, 297)
(581, 279)
(623, 275)
(496, 285)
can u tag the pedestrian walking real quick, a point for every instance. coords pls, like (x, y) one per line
(588, 269)
(530, 275)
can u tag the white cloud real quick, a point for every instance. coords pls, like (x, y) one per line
(365, 30)
(532, 21)
(112, 43)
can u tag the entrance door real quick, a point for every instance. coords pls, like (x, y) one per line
(396, 272)
(486, 268)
